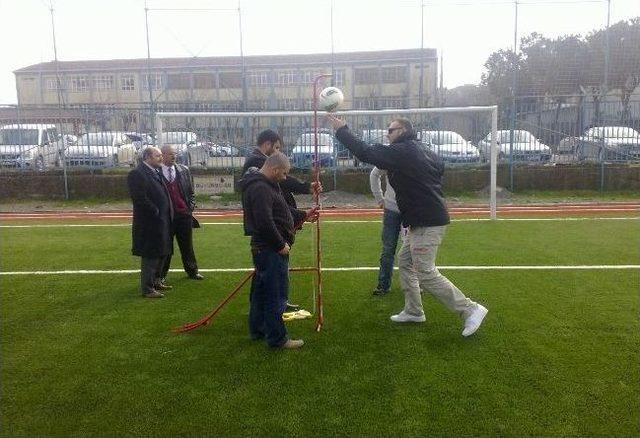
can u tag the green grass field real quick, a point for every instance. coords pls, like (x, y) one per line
(558, 355)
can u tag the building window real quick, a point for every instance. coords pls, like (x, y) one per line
(204, 81)
(155, 79)
(338, 78)
(52, 84)
(394, 75)
(103, 82)
(258, 105)
(366, 76)
(179, 81)
(289, 104)
(258, 78)
(288, 77)
(230, 79)
(78, 84)
(127, 83)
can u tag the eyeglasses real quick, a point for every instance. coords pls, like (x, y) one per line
(390, 130)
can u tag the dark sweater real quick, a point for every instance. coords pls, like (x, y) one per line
(414, 172)
(289, 186)
(268, 219)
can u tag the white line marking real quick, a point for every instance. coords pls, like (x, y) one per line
(346, 269)
(557, 219)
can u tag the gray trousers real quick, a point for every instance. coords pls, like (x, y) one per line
(416, 262)
(150, 272)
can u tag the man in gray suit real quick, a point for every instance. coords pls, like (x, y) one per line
(151, 227)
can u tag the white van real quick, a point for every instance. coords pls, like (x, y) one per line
(34, 146)
(304, 150)
(100, 149)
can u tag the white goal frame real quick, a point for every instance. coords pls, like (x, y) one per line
(493, 110)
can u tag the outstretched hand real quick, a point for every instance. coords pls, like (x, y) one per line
(335, 122)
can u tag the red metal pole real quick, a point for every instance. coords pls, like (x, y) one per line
(316, 177)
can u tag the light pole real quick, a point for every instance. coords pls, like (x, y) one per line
(421, 86)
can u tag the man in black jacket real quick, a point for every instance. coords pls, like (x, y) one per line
(415, 174)
(271, 223)
(179, 182)
(151, 227)
(268, 143)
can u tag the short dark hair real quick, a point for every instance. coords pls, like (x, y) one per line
(408, 127)
(268, 135)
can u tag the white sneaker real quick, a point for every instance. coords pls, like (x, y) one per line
(405, 317)
(474, 320)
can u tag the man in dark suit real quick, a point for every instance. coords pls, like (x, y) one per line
(179, 182)
(151, 227)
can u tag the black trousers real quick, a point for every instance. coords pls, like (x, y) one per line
(150, 273)
(182, 229)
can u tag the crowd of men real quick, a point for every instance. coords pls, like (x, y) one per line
(164, 200)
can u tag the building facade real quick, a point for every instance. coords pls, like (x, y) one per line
(370, 80)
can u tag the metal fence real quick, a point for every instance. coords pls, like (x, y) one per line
(548, 132)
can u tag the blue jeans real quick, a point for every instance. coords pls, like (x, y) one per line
(268, 296)
(391, 224)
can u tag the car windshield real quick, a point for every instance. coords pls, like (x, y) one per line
(19, 136)
(96, 140)
(445, 137)
(518, 136)
(613, 132)
(324, 140)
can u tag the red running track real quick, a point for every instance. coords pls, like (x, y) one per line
(559, 209)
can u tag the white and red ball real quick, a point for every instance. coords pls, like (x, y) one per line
(330, 99)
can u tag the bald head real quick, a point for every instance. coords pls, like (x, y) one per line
(152, 156)
(168, 155)
(276, 167)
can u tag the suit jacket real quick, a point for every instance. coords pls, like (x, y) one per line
(152, 213)
(185, 183)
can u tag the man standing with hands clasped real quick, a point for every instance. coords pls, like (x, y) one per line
(272, 224)
(416, 176)
(179, 182)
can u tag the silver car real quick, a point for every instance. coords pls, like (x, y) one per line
(616, 143)
(450, 146)
(526, 147)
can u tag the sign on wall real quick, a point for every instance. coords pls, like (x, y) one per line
(213, 184)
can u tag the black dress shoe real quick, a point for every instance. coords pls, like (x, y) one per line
(196, 276)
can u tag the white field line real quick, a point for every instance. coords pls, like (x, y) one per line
(345, 269)
(557, 219)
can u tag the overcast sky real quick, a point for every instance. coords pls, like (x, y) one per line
(466, 31)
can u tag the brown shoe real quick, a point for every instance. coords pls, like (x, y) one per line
(163, 286)
(153, 294)
(292, 344)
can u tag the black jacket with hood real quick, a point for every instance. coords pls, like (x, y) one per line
(289, 186)
(268, 219)
(414, 172)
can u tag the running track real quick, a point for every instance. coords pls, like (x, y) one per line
(557, 209)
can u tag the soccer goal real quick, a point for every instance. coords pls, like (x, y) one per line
(465, 138)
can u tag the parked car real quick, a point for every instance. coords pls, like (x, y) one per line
(207, 154)
(303, 152)
(450, 146)
(130, 152)
(375, 136)
(603, 143)
(525, 146)
(33, 146)
(98, 149)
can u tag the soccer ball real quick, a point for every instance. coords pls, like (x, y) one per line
(330, 99)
